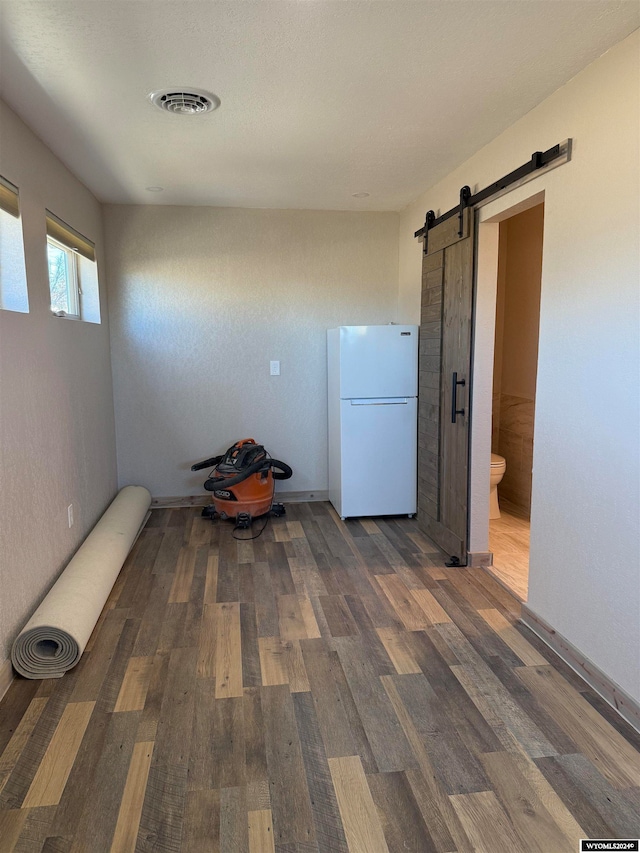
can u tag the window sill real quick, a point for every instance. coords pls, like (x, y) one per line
(64, 316)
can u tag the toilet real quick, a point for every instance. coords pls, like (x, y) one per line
(498, 467)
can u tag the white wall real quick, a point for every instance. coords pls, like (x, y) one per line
(585, 561)
(202, 299)
(57, 435)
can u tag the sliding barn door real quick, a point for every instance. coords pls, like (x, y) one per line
(445, 375)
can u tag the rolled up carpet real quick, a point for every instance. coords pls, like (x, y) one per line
(55, 637)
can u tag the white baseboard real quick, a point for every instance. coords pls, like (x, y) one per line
(6, 677)
(613, 694)
(173, 502)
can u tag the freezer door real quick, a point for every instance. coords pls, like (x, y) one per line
(378, 361)
(378, 456)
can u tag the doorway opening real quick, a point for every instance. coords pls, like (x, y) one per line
(515, 364)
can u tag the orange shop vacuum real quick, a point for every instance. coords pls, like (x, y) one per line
(242, 482)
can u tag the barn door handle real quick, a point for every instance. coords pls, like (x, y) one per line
(454, 396)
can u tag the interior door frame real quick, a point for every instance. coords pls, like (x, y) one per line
(488, 220)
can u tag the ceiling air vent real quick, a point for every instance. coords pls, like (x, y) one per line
(184, 102)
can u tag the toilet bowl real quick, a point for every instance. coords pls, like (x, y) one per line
(498, 467)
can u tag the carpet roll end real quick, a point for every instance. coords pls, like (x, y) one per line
(53, 640)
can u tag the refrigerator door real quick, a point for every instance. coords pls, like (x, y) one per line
(379, 464)
(378, 361)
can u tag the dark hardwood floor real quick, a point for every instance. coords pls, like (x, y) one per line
(327, 687)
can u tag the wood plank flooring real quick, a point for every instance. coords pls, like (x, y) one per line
(326, 687)
(509, 543)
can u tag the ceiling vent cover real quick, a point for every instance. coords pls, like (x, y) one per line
(184, 102)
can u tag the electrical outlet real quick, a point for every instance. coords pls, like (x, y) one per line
(274, 368)
(70, 514)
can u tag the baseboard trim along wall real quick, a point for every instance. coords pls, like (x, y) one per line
(6, 677)
(180, 501)
(624, 704)
(479, 559)
(301, 497)
(205, 500)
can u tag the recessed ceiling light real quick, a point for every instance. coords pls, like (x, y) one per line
(154, 189)
(184, 102)
(361, 195)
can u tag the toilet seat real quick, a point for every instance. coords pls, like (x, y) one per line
(497, 472)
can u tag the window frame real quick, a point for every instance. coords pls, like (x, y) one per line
(74, 288)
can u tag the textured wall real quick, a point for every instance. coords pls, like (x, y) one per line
(57, 437)
(585, 565)
(202, 299)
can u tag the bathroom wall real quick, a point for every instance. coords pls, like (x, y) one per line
(497, 355)
(516, 363)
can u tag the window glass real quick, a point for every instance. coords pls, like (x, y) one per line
(89, 290)
(13, 276)
(63, 280)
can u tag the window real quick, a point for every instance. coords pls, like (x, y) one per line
(13, 275)
(63, 280)
(73, 278)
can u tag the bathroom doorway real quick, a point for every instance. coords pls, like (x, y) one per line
(515, 364)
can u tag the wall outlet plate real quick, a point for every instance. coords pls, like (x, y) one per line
(70, 514)
(274, 368)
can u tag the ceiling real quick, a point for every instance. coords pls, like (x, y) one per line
(320, 100)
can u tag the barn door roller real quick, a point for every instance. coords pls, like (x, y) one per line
(465, 196)
(549, 159)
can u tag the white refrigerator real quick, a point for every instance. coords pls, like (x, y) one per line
(373, 419)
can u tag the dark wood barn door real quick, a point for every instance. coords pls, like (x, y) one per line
(445, 375)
